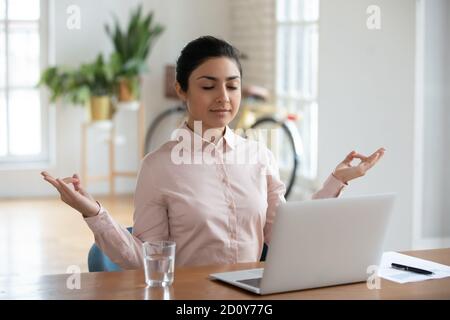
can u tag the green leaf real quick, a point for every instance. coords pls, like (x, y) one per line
(134, 43)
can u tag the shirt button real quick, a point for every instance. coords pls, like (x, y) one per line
(230, 205)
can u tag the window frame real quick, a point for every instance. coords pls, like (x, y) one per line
(310, 179)
(9, 160)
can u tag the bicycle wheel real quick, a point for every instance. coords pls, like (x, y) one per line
(162, 127)
(280, 140)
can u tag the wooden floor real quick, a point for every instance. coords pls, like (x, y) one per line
(45, 236)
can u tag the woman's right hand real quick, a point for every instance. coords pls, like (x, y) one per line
(75, 197)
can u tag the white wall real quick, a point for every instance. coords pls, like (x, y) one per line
(185, 20)
(366, 99)
(433, 224)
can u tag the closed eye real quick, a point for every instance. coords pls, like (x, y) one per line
(210, 88)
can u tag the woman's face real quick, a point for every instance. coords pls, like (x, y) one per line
(214, 93)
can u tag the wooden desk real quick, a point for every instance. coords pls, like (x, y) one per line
(193, 283)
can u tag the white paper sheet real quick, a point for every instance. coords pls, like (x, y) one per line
(387, 272)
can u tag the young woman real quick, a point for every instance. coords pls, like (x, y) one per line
(216, 212)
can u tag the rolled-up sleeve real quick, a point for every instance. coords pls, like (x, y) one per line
(331, 188)
(115, 241)
(150, 223)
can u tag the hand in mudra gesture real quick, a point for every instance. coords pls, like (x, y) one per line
(73, 194)
(345, 171)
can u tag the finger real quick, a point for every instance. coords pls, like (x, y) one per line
(58, 186)
(349, 157)
(352, 155)
(381, 154)
(70, 180)
(359, 156)
(375, 155)
(46, 174)
(78, 184)
(380, 150)
(370, 162)
(66, 190)
(79, 187)
(52, 181)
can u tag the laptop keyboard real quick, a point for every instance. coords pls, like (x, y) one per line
(256, 282)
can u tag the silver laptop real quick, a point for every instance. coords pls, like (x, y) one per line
(319, 243)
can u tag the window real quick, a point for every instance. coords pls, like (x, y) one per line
(23, 129)
(297, 70)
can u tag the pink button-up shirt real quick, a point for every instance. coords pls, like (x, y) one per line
(217, 211)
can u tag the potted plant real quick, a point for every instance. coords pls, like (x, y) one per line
(65, 84)
(92, 84)
(98, 77)
(131, 49)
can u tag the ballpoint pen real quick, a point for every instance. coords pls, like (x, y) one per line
(411, 269)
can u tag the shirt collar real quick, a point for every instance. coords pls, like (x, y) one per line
(229, 137)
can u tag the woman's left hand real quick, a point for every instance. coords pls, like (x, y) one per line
(346, 172)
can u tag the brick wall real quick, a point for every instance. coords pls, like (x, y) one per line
(253, 32)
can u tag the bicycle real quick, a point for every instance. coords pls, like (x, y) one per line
(255, 114)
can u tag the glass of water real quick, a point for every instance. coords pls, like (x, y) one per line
(159, 263)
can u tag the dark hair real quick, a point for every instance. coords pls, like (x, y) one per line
(198, 51)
